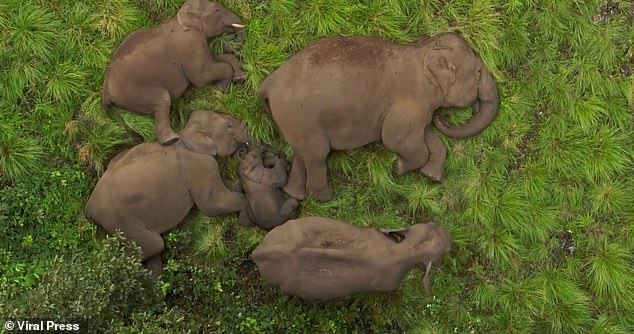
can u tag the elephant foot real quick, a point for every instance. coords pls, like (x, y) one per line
(291, 208)
(223, 85)
(295, 192)
(239, 76)
(167, 138)
(244, 219)
(432, 174)
(155, 265)
(401, 167)
(324, 195)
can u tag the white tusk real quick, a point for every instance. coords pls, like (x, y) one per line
(239, 26)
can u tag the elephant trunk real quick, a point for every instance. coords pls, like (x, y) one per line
(486, 108)
(262, 148)
(245, 142)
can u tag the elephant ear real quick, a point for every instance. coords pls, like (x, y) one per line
(197, 140)
(396, 235)
(441, 68)
(189, 16)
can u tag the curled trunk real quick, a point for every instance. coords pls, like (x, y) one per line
(486, 108)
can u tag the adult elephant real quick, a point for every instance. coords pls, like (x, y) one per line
(343, 93)
(154, 66)
(149, 189)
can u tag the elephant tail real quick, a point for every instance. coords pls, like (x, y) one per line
(108, 106)
(263, 96)
(264, 100)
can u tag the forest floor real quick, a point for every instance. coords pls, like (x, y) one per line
(540, 204)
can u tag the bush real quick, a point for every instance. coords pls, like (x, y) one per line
(43, 214)
(102, 287)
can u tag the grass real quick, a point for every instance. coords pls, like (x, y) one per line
(559, 156)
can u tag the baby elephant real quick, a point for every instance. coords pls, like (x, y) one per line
(262, 186)
(149, 189)
(154, 66)
(323, 258)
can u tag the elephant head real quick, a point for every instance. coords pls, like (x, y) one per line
(213, 133)
(462, 77)
(252, 167)
(426, 244)
(210, 18)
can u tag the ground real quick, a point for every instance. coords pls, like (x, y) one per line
(540, 205)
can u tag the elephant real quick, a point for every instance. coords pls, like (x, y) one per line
(154, 66)
(323, 258)
(267, 207)
(149, 189)
(347, 92)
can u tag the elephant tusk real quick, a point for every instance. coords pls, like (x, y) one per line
(427, 278)
(236, 25)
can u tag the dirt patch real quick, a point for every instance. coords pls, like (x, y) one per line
(528, 141)
(565, 246)
(607, 11)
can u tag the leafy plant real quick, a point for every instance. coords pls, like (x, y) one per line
(99, 288)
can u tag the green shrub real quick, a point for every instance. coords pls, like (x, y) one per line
(19, 155)
(44, 214)
(102, 287)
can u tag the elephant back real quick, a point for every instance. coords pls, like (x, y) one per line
(320, 258)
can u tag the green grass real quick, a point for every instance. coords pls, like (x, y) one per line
(559, 156)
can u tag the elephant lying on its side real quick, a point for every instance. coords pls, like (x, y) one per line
(345, 92)
(323, 258)
(262, 187)
(154, 66)
(149, 189)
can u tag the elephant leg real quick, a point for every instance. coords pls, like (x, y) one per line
(296, 183)
(101, 233)
(164, 132)
(316, 171)
(152, 101)
(403, 133)
(289, 209)
(244, 218)
(238, 74)
(223, 202)
(437, 156)
(233, 186)
(150, 242)
(223, 85)
(155, 265)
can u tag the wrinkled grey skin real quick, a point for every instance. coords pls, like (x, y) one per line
(322, 258)
(262, 185)
(149, 189)
(154, 66)
(342, 93)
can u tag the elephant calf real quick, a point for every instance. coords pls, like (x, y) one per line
(323, 258)
(149, 189)
(342, 93)
(262, 186)
(154, 66)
